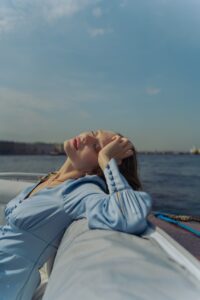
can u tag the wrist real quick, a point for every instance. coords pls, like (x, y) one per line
(103, 160)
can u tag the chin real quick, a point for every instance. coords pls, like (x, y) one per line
(65, 146)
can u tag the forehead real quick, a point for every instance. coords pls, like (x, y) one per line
(104, 136)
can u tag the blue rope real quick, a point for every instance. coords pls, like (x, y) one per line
(167, 219)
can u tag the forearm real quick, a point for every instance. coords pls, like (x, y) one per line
(123, 209)
(103, 161)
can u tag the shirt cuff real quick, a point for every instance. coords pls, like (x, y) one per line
(115, 180)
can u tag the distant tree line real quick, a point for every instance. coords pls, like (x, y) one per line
(38, 148)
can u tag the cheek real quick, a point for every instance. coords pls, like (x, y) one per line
(88, 155)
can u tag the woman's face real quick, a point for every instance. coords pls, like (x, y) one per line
(89, 143)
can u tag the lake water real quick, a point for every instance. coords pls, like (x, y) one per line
(172, 180)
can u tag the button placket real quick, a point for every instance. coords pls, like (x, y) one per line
(110, 174)
(111, 178)
(9, 210)
(2, 230)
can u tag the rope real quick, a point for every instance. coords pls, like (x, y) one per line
(184, 218)
(170, 218)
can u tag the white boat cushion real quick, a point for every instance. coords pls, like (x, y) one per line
(105, 264)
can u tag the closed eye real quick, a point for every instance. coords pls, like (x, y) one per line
(96, 145)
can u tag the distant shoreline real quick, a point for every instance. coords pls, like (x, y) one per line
(38, 148)
(55, 149)
(138, 152)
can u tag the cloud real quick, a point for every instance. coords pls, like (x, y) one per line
(59, 8)
(94, 32)
(153, 91)
(22, 12)
(5, 24)
(97, 12)
(8, 17)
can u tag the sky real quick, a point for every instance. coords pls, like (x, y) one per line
(130, 66)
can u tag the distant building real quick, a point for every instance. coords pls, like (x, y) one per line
(194, 150)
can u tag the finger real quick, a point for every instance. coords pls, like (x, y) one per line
(126, 141)
(128, 147)
(124, 154)
(116, 138)
(128, 153)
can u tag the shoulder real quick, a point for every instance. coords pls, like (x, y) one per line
(87, 183)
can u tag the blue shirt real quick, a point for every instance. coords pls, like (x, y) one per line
(36, 225)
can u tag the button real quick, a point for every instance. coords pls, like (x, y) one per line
(20, 201)
(109, 171)
(108, 167)
(15, 206)
(2, 230)
(111, 177)
(112, 183)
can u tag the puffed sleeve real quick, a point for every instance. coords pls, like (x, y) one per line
(123, 209)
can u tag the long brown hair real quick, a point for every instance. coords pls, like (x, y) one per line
(128, 168)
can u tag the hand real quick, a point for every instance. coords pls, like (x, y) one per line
(119, 148)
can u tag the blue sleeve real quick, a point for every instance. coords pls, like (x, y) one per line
(123, 209)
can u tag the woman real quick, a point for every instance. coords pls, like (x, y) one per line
(90, 184)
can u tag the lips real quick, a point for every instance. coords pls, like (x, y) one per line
(75, 143)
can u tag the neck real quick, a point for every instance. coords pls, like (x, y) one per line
(67, 171)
